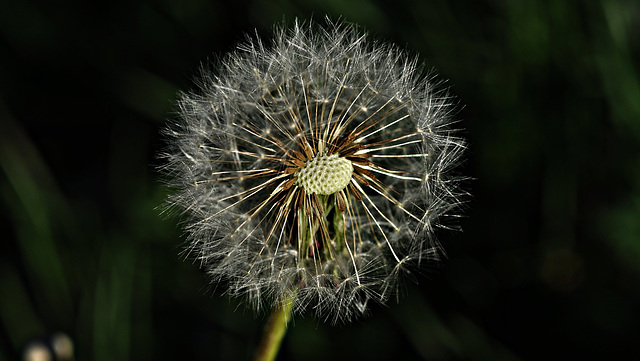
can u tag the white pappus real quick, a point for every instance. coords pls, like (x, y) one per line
(317, 167)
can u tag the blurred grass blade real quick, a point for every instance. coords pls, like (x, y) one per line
(30, 205)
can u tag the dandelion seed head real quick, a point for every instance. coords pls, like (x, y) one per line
(319, 164)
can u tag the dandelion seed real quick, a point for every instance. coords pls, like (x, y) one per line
(307, 166)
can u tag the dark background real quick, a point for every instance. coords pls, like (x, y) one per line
(547, 265)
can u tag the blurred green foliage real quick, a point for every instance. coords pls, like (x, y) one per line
(548, 265)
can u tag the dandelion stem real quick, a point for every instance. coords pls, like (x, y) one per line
(274, 330)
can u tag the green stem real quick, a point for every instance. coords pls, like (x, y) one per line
(274, 331)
